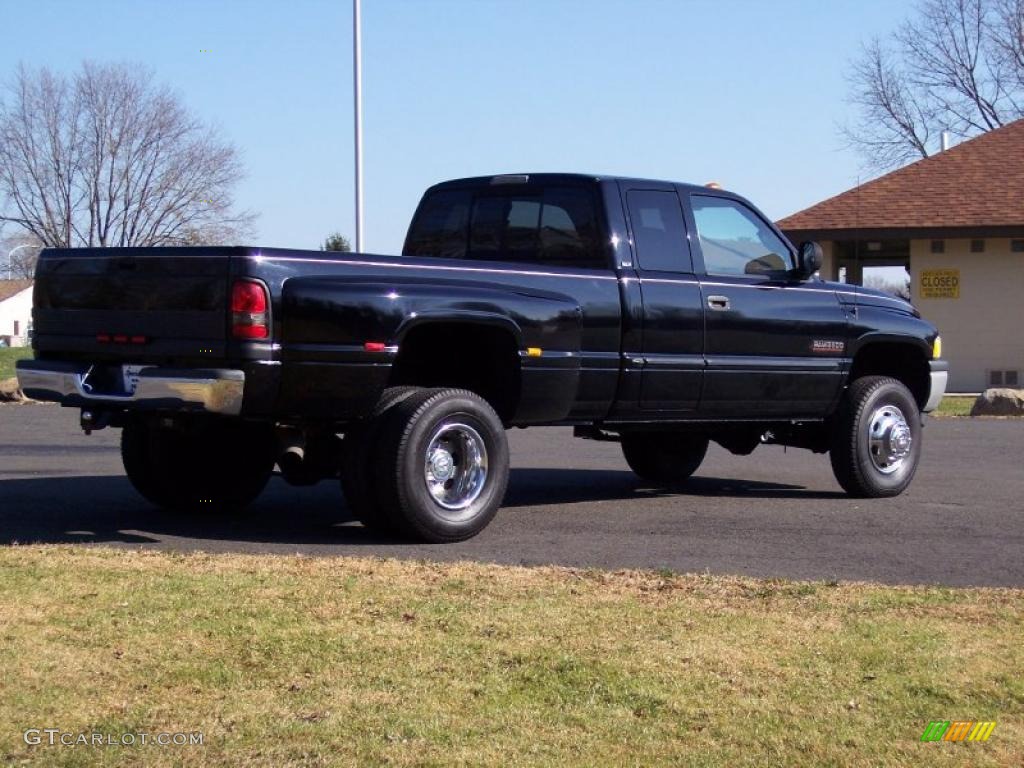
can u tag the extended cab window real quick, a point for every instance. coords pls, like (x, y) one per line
(659, 233)
(736, 241)
(553, 226)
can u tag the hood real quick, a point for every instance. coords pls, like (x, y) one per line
(858, 294)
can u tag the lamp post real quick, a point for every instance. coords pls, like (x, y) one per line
(10, 256)
(357, 78)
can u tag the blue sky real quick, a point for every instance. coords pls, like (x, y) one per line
(742, 92)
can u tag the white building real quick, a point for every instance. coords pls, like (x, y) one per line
(15, 312)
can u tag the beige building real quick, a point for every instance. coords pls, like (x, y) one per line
(15, 312)
(955, 221)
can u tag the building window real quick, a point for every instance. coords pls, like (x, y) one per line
(977, 246)
(1017, 246)
(1004, 379)
(17, 328)
(938, 246)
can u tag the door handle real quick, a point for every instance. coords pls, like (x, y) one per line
(718, 303)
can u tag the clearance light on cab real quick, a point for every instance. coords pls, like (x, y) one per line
(937, 348)
(250, 310)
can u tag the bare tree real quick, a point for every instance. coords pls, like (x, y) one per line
(896, 124)
(1008, 35)
(108, 158)
(958, 65)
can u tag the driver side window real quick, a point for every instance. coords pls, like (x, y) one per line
(736, 241)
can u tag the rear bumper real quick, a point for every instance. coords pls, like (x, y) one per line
(209, 390)
(939, 377)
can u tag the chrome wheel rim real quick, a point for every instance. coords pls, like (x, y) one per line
(889, 439)
(455, 466)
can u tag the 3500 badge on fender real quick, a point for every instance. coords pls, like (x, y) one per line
(827, 346)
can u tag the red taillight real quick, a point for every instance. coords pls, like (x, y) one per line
(374, 346)
(247, 296)
(250, 316)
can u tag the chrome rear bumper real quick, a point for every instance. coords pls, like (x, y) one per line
(207, 390)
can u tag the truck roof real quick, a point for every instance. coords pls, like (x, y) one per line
(523, 178)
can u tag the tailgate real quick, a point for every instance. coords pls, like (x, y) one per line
(147, 305)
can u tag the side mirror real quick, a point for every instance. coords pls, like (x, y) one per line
(810, 259)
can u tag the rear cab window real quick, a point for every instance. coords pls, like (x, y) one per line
(555, 225)
(659, 232)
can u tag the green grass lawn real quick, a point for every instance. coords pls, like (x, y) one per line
(295, 661)
(8, 356)
(954, 405)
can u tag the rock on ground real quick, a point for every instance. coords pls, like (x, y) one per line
(9, 391)
(999, 402)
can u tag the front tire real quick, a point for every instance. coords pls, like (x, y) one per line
(441, 465)
(206, 465)
(876, 439)
(664, 458)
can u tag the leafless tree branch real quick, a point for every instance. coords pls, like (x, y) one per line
(895, 124)
(958, 65)
(1006, 30)
(108, 158)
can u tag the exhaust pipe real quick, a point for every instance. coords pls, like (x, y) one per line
(292, 459)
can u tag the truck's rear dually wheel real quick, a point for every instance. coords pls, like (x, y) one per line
(441, 465)
(357, 452)
(204, 465)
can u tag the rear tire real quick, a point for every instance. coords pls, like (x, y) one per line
(357, 453)
(664, 458)
(876, 438)
(207, 465)
(441, 465)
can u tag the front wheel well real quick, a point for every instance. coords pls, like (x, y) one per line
(481, 358)
(904, 362)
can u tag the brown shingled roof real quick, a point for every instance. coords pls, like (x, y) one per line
(10, 288)
(978, 183)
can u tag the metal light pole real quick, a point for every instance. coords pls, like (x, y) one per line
(357, 68)
(10, 256)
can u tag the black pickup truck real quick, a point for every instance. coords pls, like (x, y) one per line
(656, 314)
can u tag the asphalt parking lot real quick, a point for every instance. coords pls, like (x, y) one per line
(571, 502)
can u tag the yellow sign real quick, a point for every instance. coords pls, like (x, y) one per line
(940, 283)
